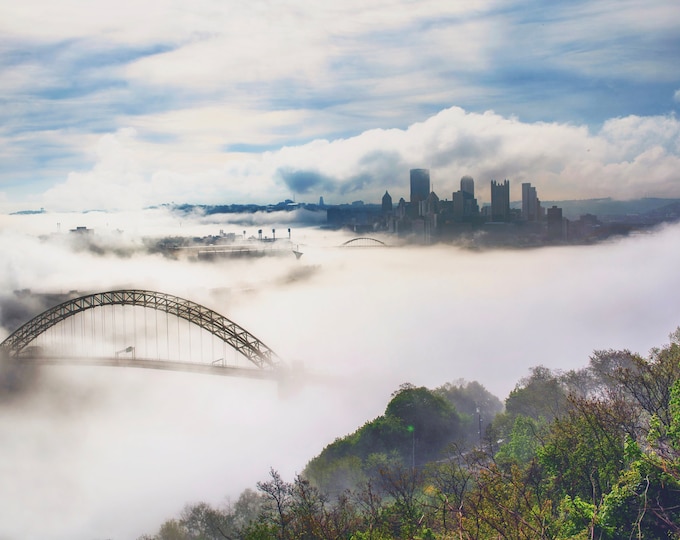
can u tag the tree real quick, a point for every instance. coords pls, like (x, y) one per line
(474, 401)
(434, 423)
(247, 509)
(583, 452)
(508, 503)
(203, 522)
(524, 439)
(277, 510)
(402, 484)
(447, 482)
(540, 395)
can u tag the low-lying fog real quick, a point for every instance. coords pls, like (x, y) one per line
(110, 453)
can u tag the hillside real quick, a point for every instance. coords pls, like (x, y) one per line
(590, 453)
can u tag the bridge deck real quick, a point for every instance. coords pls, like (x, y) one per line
(207, 369)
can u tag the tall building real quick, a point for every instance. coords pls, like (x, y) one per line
(467, 185)
(500, 201)
(556, 223)
(387, 203)
(420, 185)
(531, 206)
(464, 203)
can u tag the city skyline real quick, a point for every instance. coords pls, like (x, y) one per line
(139, 105)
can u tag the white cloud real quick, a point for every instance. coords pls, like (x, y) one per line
(676, 96)
(115, 181)
(629, 157)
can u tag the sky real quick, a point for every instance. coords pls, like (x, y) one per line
(137, 103)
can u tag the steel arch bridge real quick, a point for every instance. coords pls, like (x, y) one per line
(265, 362)
(364, 241)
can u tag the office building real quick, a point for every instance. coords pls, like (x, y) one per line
(467, 185)
(420, 185)
(464, 203)
(387, 203)
(556, 223)
(531, 206)
(500, 201)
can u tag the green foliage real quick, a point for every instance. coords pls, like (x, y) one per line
(434, 420)
(417, 426)
(541, 395)
(673, 431)
(474, 403)
(645, 499)
(576, 518)
(589, 454)
(582, 453)
(523, 441)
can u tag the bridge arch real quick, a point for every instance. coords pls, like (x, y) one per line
(364, 241)
(218, 325)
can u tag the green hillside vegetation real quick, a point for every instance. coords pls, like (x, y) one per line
(417, 427)
(584, 454)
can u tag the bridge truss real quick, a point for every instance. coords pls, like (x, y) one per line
(262, 360)
(364, 241)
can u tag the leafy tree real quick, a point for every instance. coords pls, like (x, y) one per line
(475, 402)
(370, 501)
(508, 503)
(402, 484)
(203, 522)
(432, 421)
(246, 509)
(583, 453)
(540, 395)
(417, 426)
(645, 503)
(448, 481)
(278, 495)
(523, 441)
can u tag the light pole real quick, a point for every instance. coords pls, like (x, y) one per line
(412, 429)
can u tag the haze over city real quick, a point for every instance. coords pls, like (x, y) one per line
(110, 111)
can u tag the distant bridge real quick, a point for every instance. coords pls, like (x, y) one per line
(364, 241)
(113, 329)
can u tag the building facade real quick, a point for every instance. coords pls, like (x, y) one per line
(500, 201)
(531, 205)
(420, 185)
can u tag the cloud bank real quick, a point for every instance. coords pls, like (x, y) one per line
(131, 447)
(626, 158)
(219, 96)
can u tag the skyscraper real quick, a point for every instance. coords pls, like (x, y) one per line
(464, 203)
(531, 206)
(467, 185)
(387, 203)
(556, 223)
(500, 201)
(420, 185)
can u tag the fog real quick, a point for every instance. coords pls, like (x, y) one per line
(97, 452)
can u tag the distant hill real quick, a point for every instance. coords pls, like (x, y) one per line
(606, 207)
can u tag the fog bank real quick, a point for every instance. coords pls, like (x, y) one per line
(109, 452)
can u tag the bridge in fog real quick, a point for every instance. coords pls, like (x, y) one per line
(142, 329)
(364, 241)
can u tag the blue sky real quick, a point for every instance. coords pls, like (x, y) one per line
(136, 103)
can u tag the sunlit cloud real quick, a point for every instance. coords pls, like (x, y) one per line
(202, 86)
(627, 158)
